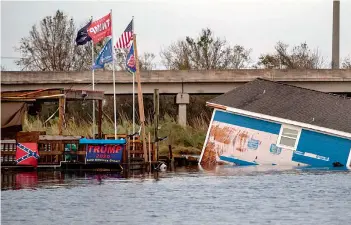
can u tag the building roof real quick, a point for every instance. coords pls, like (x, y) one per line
(290, 102)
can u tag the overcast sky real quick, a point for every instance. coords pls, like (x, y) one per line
(255, 24)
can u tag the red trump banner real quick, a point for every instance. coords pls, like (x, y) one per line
(100, 28)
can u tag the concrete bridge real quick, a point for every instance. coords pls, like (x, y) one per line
(181, 83)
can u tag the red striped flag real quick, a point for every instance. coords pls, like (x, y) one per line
(126, 37)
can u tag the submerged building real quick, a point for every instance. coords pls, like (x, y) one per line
(270, 123)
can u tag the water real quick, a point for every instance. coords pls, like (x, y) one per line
(225, 195)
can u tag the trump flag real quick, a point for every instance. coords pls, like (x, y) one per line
(100, 28)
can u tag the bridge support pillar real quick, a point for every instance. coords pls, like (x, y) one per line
(182, 100)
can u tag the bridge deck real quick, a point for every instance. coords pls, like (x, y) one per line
(172, 82)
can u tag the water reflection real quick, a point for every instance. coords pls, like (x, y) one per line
(54, 179)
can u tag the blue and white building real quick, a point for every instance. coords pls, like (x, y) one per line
(270, 123)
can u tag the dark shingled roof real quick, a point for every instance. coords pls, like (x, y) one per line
(290, 102)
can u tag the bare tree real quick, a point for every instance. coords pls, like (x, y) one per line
(51, 46)
(346, 64)
(177, 56)
(3, 68)
(204, 52)
(146, 61)
(300, 57)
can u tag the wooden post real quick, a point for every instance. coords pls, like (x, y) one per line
(100, 119)
(156, 119)
(140, 98)
(170, 152)
(150, 150)
(61, 114)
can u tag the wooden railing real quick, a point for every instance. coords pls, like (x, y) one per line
(52, 149)
(135, 147)
(8, 151)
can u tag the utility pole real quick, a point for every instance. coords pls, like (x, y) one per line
(336, 35)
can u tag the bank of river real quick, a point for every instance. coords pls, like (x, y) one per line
(224, 195)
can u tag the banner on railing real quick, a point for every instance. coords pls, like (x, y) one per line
(104, 153)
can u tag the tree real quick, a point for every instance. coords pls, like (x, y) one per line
(346, 64)
(146, 61)
(52, 47)
(300, 57)
(205, 52)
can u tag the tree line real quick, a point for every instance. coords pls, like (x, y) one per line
(51, 47)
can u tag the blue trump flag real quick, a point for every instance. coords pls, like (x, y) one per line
(105, 56)
(130, 61)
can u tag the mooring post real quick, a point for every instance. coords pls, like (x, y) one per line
(149, 151)
(170, 156)
(170, 152)
(61, 114)
(156, 119)
(100, 119)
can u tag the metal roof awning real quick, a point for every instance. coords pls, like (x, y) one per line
(52, 94)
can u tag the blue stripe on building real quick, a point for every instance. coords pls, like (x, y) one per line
(328, 149)
(247, 122)
(237, 161)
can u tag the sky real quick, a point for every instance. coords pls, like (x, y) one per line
(255, 24)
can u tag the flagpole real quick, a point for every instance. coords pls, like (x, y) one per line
(114, 79)
(93, 80)
(133, 93)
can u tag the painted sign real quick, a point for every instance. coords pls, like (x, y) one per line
(253, 144)
(104, 153)
(275, 150)
(311, 155)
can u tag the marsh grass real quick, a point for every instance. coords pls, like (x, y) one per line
(184, 140)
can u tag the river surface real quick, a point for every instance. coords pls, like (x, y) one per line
(189, 195)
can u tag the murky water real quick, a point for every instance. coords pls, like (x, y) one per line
(225, 195)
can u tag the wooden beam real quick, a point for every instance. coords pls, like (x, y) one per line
(100, 118)
(31, 94)
(140, 98)
(61, 114)
(156, 119)
(84, 95)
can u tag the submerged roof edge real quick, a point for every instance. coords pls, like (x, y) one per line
(280, 120)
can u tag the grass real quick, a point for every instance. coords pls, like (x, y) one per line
(184, 140)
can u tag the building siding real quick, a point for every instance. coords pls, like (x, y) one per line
(247, 122)
(319, 149)
(254, 140)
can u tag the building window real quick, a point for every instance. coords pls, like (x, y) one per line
(289, 137)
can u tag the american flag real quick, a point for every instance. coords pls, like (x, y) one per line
(126, 37)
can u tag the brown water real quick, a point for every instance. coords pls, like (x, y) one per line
(224, 195)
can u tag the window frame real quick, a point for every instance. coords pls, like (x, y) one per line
(298, 129)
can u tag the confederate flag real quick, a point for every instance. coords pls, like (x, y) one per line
(27, 154)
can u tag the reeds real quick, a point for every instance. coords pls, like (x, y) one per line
(184, 140)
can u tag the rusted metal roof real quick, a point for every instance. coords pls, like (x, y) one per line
(51, 94)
